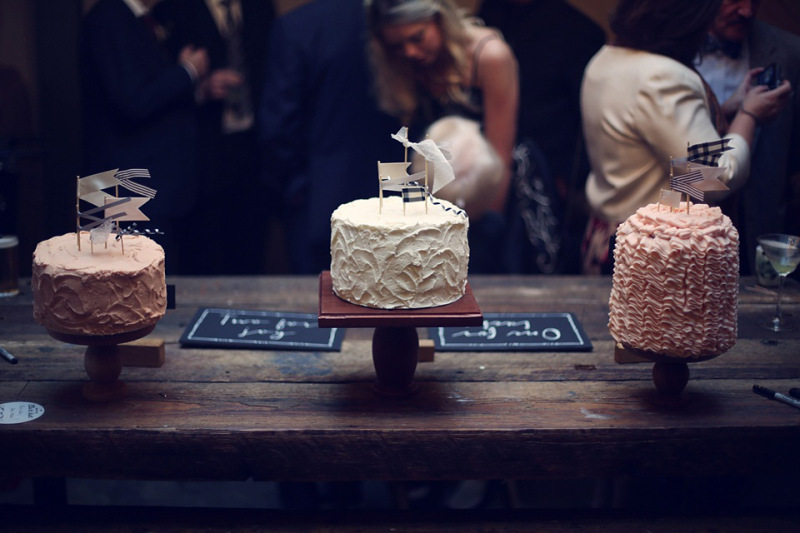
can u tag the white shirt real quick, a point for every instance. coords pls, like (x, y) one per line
(723, 73)
(220, 14)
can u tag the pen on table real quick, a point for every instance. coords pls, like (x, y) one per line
(8, 357)
(772, 395)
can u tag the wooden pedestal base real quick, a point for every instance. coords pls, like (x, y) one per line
(395, 343)
(670, 378)
(670, 374)
(103, 361)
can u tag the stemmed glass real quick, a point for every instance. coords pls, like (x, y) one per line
(783, 252)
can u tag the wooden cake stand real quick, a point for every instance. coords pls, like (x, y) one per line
(670, 374)
(103, 361)
(395, 343)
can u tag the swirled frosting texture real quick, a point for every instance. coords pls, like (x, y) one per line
(393, 260)
(676, 282)
(100, 292)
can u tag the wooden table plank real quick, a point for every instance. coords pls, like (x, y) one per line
(303, 431)
(234, 414)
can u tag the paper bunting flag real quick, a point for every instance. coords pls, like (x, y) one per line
(695, 179)
(708, 153)
(413, 194)
(442, 171)
(393, 170)
(125, 177)
(128, 211)
(114, 208)
(90, 187)
(670, 198)
(685, 183)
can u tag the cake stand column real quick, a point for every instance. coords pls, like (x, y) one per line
(104, 365)
(103, 361)
(670, 378)
(395, 352)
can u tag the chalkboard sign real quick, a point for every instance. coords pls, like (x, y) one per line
(515, 332)
(267, 330)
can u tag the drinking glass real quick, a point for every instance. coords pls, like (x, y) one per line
(783, 252)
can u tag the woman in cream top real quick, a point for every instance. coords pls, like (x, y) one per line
(642, 103)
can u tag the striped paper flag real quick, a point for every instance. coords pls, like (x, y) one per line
(686, 183)
(708, 153)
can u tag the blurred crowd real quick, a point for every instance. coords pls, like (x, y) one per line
(256, 125)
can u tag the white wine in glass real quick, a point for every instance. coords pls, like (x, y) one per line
(783, 252)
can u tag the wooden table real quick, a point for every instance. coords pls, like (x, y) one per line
(217, 414)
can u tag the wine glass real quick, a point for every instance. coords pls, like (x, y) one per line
(783, 252)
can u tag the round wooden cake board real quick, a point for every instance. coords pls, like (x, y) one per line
(395, 342)
(103, 361)
(670, 374)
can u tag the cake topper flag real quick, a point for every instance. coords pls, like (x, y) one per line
(395, 177)
(114, 208)
(697, 173)
(442, 171)
(686, 183)
(670, 198)
(708, 153)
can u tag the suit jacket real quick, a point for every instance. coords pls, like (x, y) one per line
(321, 131)
(764, 201)
(137, 106)
(189, 22)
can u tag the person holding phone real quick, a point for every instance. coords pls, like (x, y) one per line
(740, 53)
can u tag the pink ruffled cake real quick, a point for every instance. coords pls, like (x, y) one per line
(676, 282)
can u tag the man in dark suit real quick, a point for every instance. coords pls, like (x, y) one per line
(138, 112)
(234, 211)
(739, 42)
(321, 131)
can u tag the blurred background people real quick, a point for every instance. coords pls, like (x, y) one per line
(642, 102)
(320, 130)
(432, 61)
(138, 112)
(553, 41)
(737, 49)
(16, 124)
(235, 208)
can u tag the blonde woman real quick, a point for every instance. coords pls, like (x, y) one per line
(430, 61)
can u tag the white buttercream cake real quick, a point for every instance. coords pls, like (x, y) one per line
(384, 258)
(99, 290)
(676, 281)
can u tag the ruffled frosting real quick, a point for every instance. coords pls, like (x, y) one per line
(98, 292)
(676, 281)
(394, 260)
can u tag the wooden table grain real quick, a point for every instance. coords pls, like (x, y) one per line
(234, 414)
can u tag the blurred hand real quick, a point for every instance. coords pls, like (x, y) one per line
(220, 82)
(197, 58)
(767, 104)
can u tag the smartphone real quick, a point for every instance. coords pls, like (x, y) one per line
(770, 76)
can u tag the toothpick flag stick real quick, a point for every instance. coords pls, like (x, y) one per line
(380, 190)
(426, 185)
